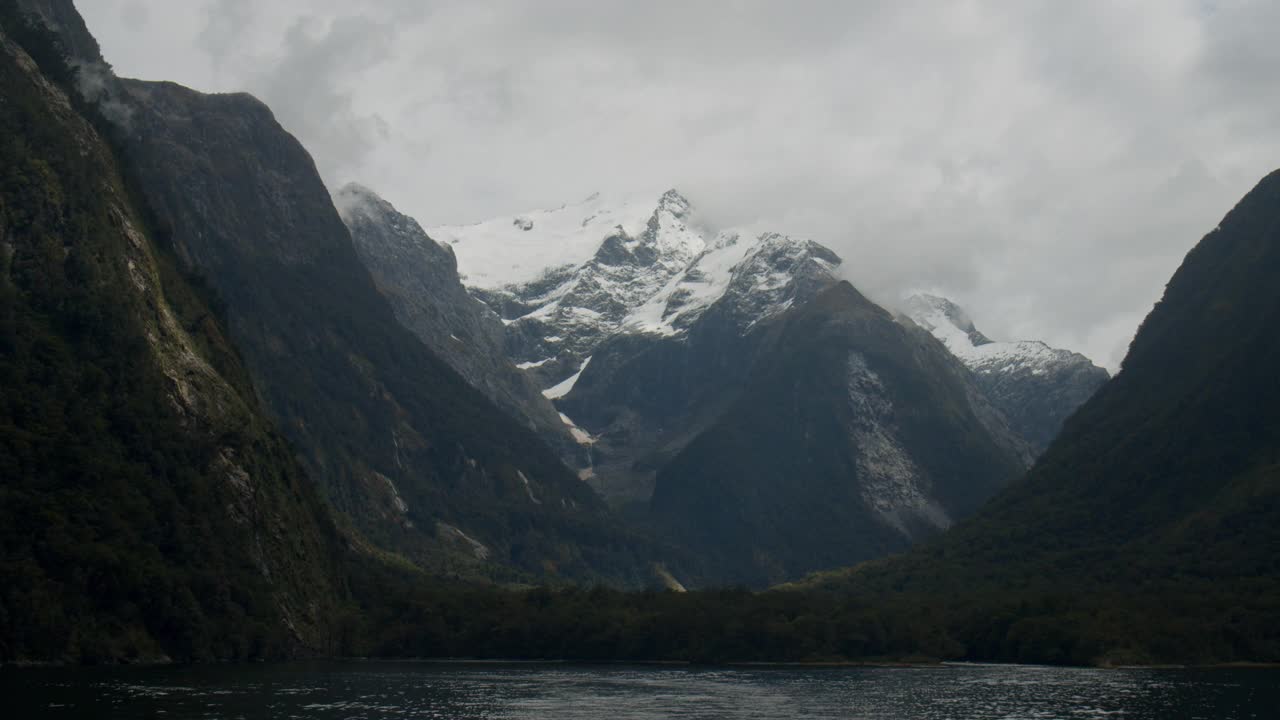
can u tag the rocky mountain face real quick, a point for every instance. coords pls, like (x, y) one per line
(420, 461)
(1037, 387)
(62, 18)
(148, 509)
(680, 359)
(852, 437)
(419, 277)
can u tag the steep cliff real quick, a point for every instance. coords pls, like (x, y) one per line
(423, 463)
(419, 277)
(148, 510)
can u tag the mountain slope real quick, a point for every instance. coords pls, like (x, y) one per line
(680, 360)
(422, 463)
(419, 277)
(147, 508)
(1036, 387)
(853, 438)
(1150, 528)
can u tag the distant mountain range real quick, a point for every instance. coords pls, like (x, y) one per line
(650, 332)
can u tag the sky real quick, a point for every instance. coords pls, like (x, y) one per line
(1045, 164)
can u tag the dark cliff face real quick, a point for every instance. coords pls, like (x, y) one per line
(65, 21)
(853, 438)
(1037, 403)
(419, 278)
(148, 509)
(421, 461)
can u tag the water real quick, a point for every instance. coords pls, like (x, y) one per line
(467, 691)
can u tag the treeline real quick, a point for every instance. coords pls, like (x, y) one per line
(1173, 621)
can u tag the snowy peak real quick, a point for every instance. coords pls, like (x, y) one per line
(564, 280)
(1035, 386)
(675, 204)
(757, 279)
(518, 250)
(943, 318)
(952, 325)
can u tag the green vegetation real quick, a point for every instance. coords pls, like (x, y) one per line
(143, 502)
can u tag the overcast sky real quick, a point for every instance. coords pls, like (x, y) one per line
(1046, 164)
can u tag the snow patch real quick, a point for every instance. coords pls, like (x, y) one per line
(563, 388)
(581, 436)
(517, 249)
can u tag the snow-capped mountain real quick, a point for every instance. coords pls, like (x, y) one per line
(656, 287)
(1036, 386)
(655, 335)
(760, 277)
(565, 280)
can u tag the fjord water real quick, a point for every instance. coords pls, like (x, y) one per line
(467, 691)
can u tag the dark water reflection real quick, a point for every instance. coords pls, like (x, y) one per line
(463, 692)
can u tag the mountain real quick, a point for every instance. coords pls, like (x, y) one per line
(566, 279)
(1149, 529)
(148, 509)
(419, 277)
(1036, 387)
(633, 317)
(679, 360)
(677, 351)
(853, 437)
(77, 44)
(423, 464)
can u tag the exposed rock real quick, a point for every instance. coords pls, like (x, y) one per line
(419, 277)
(851, 437)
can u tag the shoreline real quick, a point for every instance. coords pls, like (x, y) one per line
(923, 664)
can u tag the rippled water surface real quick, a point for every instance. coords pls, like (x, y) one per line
(462, 692)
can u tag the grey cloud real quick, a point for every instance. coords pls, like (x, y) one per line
(1047, 164)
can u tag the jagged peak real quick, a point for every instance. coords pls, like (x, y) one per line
(951, 324)
(928, 308)
(675, 203)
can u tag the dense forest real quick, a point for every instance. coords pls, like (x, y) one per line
(144, 497)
